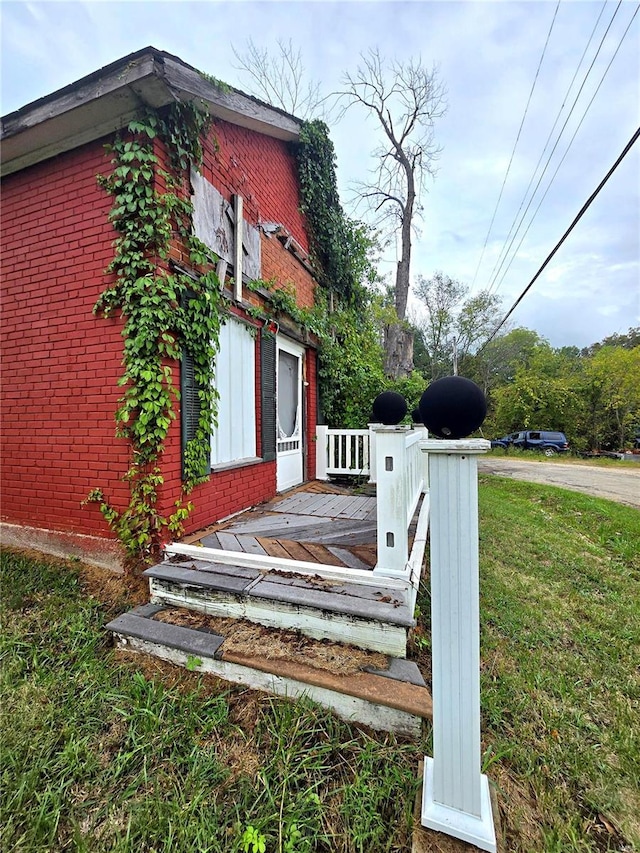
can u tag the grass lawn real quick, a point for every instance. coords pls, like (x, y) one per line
(564, 458)
(101, 751)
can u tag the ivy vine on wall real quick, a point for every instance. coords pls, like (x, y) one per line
(330, 230)
(165, 313)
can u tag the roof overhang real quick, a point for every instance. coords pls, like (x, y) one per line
(107, 100)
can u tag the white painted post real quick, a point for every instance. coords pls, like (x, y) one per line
(425, 457)
(237, 262)
(372, 452)
(322, 437)
(393, 535)
(455, 796)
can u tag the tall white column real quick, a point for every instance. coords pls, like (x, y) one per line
(455, 793)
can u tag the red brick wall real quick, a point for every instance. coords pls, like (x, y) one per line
(60, 362)
(260, 169)
(279, 263)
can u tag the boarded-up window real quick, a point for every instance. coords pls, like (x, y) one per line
(234, 438)
(213, 224)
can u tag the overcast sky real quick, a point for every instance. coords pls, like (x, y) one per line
(488, 54)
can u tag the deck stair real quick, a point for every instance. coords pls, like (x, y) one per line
(389, 698)
(372, 612)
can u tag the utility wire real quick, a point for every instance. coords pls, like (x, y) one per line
(575, 133)
(546, 145)
(526, 110)
(583, 210)
(506, 249)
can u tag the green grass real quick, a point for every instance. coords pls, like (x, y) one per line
(100, 754)
(560, 604)
(105, 752)
(565, 458)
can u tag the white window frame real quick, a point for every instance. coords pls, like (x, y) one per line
(233, 439)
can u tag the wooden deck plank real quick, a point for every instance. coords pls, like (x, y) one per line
(296, 504)
(276, 521)
(357, 507)
(298, 534)
(363, 608)
(313, 532)
(338, 589)
(250, 545)
(367, 553)
(315, 503)
(229, 542)
(348, 558)
(331, 506)
(295, 550)
(360, 533)
(322, 555)
(211, 541)
(273, 547)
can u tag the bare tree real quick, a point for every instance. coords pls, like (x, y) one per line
(405, 98)
(279, 78)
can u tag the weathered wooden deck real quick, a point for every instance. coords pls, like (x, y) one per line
(318, 523)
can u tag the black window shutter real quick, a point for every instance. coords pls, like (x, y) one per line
(268, 395)
(190, 406)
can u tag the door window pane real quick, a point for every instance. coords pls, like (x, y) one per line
(287, 394)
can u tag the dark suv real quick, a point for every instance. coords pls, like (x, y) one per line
(505, 441)
(548, 442)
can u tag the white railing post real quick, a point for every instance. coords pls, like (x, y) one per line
(456, 797)
(322, 437)
(425, 457)
(372, 452)
(393, 536)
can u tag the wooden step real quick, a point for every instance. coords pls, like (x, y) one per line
(366, 615)
(393, 699)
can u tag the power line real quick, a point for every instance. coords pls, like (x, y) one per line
(583, 210)
(575, 133)
(526, 110)
(507, 248)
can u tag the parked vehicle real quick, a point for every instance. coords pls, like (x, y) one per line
(505, 441)
(546, 441)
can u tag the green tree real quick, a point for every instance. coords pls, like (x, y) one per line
(546, 393)
(455, 324)
(496, 364)
(629, 340)
(613, 389)
(350, 365)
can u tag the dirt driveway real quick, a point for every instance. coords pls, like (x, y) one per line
(621, 485)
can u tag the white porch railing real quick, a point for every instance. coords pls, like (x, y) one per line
(402, 480)
(342, 451)
(391, 457)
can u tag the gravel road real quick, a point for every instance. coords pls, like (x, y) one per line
(621, 485)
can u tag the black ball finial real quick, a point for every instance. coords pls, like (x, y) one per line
(416, 417)
(389, 408)
(453, 407)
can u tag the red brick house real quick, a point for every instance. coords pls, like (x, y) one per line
(62, 362)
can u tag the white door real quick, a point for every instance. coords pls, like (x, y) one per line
(289, 426)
